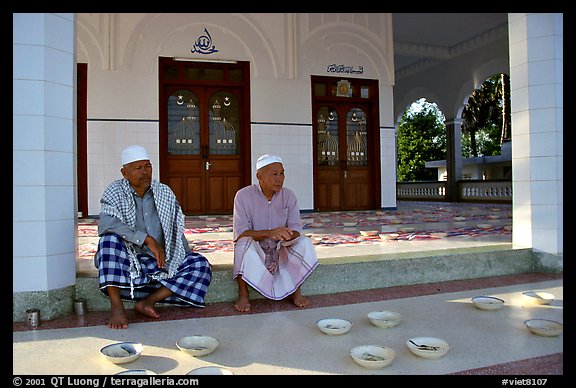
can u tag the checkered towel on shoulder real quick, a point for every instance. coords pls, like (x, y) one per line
(118, 201)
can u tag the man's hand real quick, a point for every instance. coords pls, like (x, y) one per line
(282, 233)
(157, 250)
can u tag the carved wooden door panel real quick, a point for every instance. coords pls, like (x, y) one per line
(203, 140)
(346, 140)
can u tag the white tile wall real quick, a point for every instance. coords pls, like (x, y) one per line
(43, 157)
(293, 143)
(106, 140)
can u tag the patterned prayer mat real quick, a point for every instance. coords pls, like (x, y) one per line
(315, 225)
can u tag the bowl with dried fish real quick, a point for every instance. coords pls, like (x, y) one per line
(197, 345)
(384, 319)
(334, 326)
(428, 347)
(122, 352)
(373, 356)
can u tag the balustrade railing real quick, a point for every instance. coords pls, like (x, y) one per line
(468, 191)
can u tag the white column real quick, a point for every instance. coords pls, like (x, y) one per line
(44, 214)
(536, 76)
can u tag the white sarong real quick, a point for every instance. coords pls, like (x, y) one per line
(296, 261)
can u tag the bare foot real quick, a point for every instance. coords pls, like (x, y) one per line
(118, 319)
(242, 304)
(299, 300)
(146, 309)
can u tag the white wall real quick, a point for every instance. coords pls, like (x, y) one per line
(283, 49)
(44, 210)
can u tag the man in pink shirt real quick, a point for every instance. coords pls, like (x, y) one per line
(270, 254)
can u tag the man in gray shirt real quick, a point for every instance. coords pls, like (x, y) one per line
(142, 252)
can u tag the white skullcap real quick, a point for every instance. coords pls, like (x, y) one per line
(134, 153)
(266, 159)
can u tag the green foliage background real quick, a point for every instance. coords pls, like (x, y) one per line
(421, 137)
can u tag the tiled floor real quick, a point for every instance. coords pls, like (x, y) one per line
(279, 339)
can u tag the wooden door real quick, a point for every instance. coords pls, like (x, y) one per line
(82, 137)
(346, 138)
(203, 142)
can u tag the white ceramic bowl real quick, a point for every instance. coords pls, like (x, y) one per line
(210, 370)
(487, 302)
(428, 347)
(122, 352)
(373, 356)
(544, 327)
(334, 326)
(136, 372)
(197, 345)
(384, 319)
(538, 297)
(389, 236)
(369, 233)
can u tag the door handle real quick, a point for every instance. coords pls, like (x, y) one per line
(208, 164)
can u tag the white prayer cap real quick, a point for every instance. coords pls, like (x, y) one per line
(133, 154)
(266, 159)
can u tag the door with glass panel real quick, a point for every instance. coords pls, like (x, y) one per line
(202, 145)
(346, 155)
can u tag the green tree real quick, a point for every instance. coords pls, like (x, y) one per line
(421, 137)
(486, 118)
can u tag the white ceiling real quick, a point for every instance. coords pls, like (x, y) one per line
(422, 39)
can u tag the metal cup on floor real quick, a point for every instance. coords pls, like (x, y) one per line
(80, 306)
(33, 317)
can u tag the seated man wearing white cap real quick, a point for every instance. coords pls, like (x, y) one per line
(142, 253)
(270, 255)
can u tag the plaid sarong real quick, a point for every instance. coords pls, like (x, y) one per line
(189, 284)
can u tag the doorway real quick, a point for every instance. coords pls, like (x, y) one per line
(347, 144)
(204, 133)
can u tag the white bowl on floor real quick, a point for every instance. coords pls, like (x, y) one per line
(373, 356)
(389, 236)
(334, 326)
(487, 302)
(537, 297)
(369, 233)
(428, 347)
(544, 327)
(384, 319)
(197, 345)
(136, 372)
(210, 370)
(122, 352)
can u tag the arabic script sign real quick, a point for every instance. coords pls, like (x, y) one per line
(334, 68)
(204, 44)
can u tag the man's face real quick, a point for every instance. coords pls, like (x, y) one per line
(138, 173)
(271, 177)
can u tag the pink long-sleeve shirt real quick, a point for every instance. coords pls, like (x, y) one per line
(253, 211)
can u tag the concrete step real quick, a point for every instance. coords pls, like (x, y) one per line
(342, 274)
